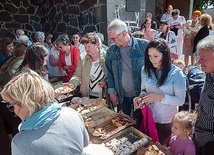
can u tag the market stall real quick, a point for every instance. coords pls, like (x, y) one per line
(113, 130)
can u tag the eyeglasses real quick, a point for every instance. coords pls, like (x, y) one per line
(114, 39)
(10, 107)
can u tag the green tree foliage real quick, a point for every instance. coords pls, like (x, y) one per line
(202, 4)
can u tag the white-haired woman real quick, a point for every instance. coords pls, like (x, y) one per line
(46, 127)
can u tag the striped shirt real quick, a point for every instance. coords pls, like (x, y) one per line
(204, 127)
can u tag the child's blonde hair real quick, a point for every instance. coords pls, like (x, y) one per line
(179, 63)
(187, 119)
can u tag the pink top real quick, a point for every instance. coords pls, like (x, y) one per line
(181, 147)
(149, 35)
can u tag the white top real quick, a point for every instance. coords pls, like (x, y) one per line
(189, 26)
(68, 59)
(97, 149)
(96, 75)
(81, 48)
(180, 20)
(55, 53)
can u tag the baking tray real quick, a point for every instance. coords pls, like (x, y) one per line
(135, 138)
(97, 115)
(64, 97)
(105, 128)
(89, 105)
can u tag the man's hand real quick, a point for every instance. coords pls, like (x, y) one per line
(114, 99)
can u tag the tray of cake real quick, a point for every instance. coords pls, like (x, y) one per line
(97, 115)
(105, 128)
(87, 105)
(153, 149)
(127, 141)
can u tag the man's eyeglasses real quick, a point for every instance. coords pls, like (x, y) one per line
(10, 107)
(114, 39)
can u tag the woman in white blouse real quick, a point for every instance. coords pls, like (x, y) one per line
(190, 29)
(176, 23)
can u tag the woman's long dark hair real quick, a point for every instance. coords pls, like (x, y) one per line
(143, 26)
(161, 46)
(6, 41)
(35, 57)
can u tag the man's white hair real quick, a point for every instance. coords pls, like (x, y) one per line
(118, 26)
(23, 39)
(20, 31)
(206, 43)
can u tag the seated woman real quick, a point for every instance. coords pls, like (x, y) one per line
(68, 56)
(163, 86)
(46, 128)
(91, 71)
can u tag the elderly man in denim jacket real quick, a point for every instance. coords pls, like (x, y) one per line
(124, 60)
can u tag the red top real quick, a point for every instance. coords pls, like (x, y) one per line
(75, 53)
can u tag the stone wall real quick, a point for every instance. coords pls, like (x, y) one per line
(61, 16)
(51, 16)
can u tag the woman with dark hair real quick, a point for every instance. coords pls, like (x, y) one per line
(163, 86)
(35, 59)
(147, 30)
(68, 56)
(168, 36)
(7, 45)
(76, 41)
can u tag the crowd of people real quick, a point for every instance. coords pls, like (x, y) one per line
(142, 64)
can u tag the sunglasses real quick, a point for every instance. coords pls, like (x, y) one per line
(10, 107)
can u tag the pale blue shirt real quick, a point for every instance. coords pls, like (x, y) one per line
(166, 16)
(174, 90)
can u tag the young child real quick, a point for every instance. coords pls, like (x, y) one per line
(180, 142)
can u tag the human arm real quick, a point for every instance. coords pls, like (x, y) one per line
(177, 95)
(15, 65)
(62, 63)
(53, 62)
(171, 40)
(75, 57)
(186, 27)
(77, 77)
(110, 79)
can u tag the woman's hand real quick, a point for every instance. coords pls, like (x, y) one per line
(152, 97)
(192, 33)
(114, 99)
(64, 72)
(102, 84)
(139, 103)
(65, 68)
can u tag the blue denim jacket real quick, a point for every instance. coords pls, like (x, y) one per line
(114, 67)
